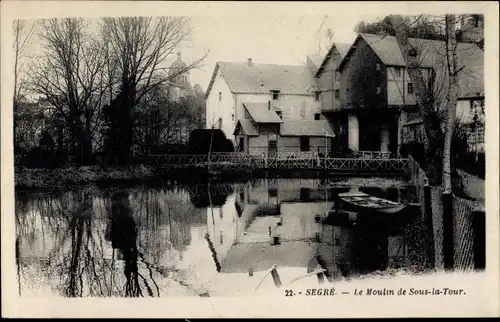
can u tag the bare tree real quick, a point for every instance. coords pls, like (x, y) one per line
(451, 100)
(422, 91)
(70, 76)
(433, 99)
(140, 45)
(23, 32)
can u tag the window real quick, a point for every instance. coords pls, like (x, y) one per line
(220, 123)
(276, 95)
(304, 194)
(280, 114)
(378, 66)
(316, 96)
(273, 192)
(337, 94)
(397, 71)
(317, 116)
(379, 90)
(242, 144)
(410, 88)
(273, 147)
(304, 143)
(220, 96)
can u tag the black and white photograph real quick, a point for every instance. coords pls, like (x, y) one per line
(319, 155)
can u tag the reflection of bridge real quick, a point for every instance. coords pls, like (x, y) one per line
(372, 162)
(228, 188)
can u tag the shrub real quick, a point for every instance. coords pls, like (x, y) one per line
(201, 141)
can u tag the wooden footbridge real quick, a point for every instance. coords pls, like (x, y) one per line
(362, 162)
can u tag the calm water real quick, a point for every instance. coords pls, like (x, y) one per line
(197, 239)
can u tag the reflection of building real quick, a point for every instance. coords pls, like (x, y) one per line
(242, 231)
(223, 227)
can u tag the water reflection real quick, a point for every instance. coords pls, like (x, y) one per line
(190, 240)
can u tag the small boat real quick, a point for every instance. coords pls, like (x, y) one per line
(360, 201)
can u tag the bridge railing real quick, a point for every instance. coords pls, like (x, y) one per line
(286, 160)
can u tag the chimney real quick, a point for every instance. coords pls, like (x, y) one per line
(249, 60)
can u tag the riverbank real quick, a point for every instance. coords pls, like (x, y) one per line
(72, 176)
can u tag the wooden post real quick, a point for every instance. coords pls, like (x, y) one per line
(321, 278)
(479, 226)
(448, 249)
(276, 277)
(431, 257)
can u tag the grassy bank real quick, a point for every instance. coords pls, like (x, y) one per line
(66, 177)
(73, 177)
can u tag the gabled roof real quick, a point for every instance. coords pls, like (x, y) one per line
(262, 113)
(306, 128)
(262, 78)
(247, 126)
(314, 59)
(341, 48)
(432, 54)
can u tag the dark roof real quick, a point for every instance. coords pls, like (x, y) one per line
(341, 48)
(306, 128)
(247, 126)
(432, 54)
(262, 78)
(262, 113)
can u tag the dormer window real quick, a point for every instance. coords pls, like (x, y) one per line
(275, 94)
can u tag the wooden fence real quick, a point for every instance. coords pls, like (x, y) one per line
(466, 229)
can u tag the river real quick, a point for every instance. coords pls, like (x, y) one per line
(200, 239)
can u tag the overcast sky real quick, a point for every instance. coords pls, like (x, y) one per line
(265, 39)
(285, 39)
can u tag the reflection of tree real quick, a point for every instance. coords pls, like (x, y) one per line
(124, 238)
(66, 234)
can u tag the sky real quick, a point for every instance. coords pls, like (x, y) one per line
(275, 39)
(266, 39)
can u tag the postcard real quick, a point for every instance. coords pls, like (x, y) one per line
(249, 159)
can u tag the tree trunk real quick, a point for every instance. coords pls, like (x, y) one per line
(451, 103)
(451, 100)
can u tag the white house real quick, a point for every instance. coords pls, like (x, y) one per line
(290, 91)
